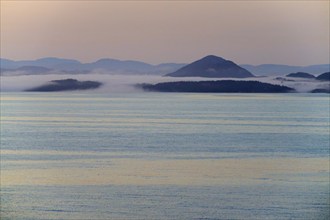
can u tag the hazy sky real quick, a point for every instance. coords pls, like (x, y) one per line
(254, 32)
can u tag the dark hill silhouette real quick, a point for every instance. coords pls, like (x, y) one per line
(213, 67)
(66, 85)
(324, 76)
(225, 86)
(301, 75)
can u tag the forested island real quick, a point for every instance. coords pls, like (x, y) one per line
(324, 76)
(66, 85)
(220, 86)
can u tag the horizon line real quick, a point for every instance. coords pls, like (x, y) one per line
(131, 60)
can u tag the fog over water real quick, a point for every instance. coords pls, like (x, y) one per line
(125, 83)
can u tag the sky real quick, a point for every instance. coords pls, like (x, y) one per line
(247, 32)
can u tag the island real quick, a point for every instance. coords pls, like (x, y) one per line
(219, 86)
(66, 85)
(301, 75)
(324, 76)
(320, 90)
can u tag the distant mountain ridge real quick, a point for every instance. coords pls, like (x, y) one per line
(48, 62)
(212, 67)
(69, 65)
(59, 65)
(28, 70)
(281, 70)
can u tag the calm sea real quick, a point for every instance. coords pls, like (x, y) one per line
(164, 156)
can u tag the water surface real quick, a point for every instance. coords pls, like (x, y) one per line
(164, 156)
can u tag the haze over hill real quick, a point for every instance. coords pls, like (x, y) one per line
(213, 67)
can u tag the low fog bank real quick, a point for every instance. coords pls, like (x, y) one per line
(126, 83)
(299, 84)
(111, 83)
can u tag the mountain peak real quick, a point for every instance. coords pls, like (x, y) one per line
(213, 58)
(212, 66)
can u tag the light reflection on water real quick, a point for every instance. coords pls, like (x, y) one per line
(164, 156)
